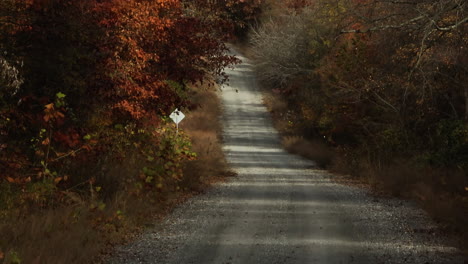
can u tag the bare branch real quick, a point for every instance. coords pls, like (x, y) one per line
(451, 27)
(384, 27)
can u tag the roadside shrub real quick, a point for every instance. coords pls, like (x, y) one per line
(281, 48)
(382, 84)
(317, 151)
(450, 144)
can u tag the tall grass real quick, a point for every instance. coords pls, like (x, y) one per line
(203, 125)
(315, 150)
(84, 229)
(441, 192)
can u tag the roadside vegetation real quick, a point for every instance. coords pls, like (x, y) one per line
(88, 155)
(376, 90)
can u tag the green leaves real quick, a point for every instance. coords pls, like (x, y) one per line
(150, 171)
(13, 257)
(60, 95)
(164, 160)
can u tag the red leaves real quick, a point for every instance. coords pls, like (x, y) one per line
(70, 138)
(134, 32)
(150, 42)
(109, 62)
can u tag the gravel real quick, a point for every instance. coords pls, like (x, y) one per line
(282, 209)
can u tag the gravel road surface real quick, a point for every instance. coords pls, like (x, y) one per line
(281, 209)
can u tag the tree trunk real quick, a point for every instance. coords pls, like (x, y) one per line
(466, 102)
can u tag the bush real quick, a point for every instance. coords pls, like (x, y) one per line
(450, 144)
(388, 95)
(316, 151)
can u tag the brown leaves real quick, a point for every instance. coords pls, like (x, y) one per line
(45, 142)
(109, 62)
(151, 42)
(57, 180)
(52, 114)
(69, 137)
(135, 31)
(18, 180)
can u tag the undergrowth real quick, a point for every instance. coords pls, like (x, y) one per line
(85, 221)
(355, 101)
(440, 191)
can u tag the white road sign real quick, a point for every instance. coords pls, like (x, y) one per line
(177, 116)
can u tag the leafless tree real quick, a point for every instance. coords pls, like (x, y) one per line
(281, 47)
(438, 29)
(10, 79)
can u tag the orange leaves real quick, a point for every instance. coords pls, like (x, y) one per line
(150, 42)
(57, 180)
(135, 32)
(45, 142)
(18, 180)
(109, 62)
(52, 114)
(10, 179)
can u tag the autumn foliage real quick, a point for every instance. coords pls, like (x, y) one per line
(85, 91)
(85, 84)
(384, 74)
(382, 83)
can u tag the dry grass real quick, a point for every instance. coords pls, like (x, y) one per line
(433, 189)
(439, 191)
(274, 103)
(280, 113)
(72, 233)
(313, 150)
(449, 209)
(75, 234)
(55, 236)
(204, 127)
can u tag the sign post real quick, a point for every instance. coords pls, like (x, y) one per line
(177, 116)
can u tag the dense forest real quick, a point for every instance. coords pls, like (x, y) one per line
(86, 88)
(374, 89)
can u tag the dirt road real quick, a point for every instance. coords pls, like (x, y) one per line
(280, 209)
